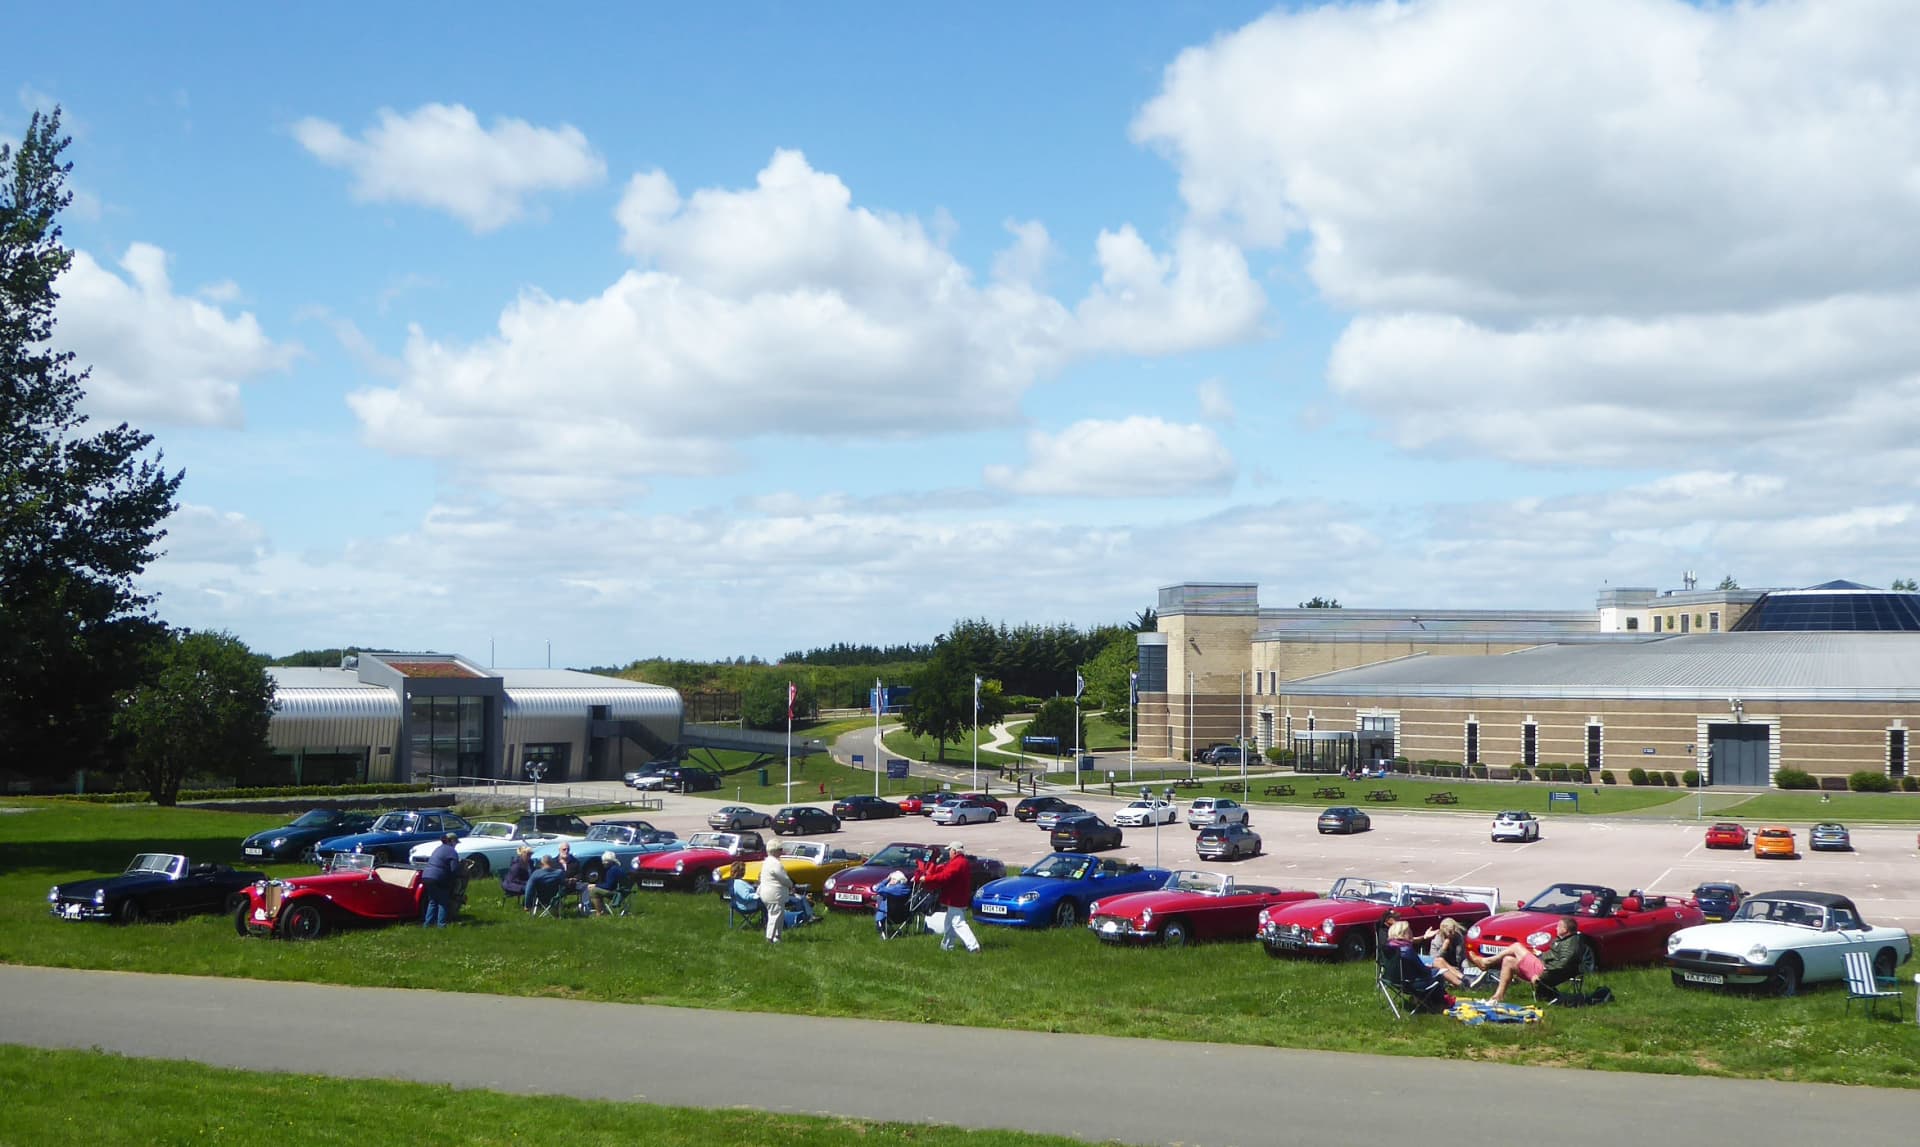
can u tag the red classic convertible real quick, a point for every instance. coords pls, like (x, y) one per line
(1727, 835)
(693, 866)
(1343, 921)
(1189, 906)
(1620, 930)
(353, 890)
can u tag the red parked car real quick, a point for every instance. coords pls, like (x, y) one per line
(353, 890)
(995, 803)
(1342, 922)
(851, 890)
(1727, 835)
(693, 867)
(1630, 929)
(920, 804)
(1190, 906)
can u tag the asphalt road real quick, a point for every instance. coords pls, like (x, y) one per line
(1134, 1091)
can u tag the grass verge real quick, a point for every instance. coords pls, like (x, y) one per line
(679, 952)
(108, 1100)
(1896, 808)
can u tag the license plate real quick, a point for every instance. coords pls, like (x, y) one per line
(253, 851)
(70, 911)
(1288, 940)
(1703, 977)
(993, 909)
(653, 884)
(1492, 949)
(847, 897)
(1109, 925)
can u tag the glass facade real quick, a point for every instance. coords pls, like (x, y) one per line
(447, 736)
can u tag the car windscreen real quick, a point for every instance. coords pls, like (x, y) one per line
(1060, 866)
(898, 854)
(1354, 888)
(394, 822)
(1567, 899)
(617, 833)
(1783, 912)
(493, 829)
(315, 818)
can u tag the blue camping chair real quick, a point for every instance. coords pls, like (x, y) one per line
(743, 905)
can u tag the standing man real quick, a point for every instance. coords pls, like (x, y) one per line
(951, 880)
(439, 876)
(775, 887)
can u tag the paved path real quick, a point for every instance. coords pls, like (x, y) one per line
(1134, 1091)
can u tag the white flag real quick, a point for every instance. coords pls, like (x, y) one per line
(1079, 686)
(976, 695)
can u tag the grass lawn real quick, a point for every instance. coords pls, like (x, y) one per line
(1847, 807)
(810, 774)
(93, 1098)
(902, 743)
(679, 952)
(1475, 796)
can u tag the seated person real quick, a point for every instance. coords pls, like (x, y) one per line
(613, 874)
(513, 882)
(547, 881)
(1447, 952)
(1561, 963)
(570, 865)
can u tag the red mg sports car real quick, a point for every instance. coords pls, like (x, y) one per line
(1342, 922)
(1190, 906)
(1727, 835)
(1630, 929)
(353, 890)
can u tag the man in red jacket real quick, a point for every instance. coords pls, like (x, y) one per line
(951, 879)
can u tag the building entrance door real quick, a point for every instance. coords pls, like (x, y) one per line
(1737, 755)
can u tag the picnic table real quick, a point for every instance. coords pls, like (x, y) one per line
(1383, 795)
(1232, 787)
(1188, 784)
(1329, 792)
(1279, 790)
(1442, 798)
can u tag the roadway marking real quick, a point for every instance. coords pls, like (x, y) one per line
(1469, 872)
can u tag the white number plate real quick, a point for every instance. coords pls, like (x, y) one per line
(993, 909)
(1109, 925)
(653, 884)
(847, 897)
(71, 911)
(1703, 977)
(254, 851)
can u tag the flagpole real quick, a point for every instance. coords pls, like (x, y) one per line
(1079, 687)
(976, 733)
(1243, 731)
(1189, 726)
(789, 742)
(878, 693)
(1133, 685)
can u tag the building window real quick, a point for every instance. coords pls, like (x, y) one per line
(1633, 623)
(1713, 622)
(1896, 752)
(1656, 623)
(1593, 746)
(1530, 744)
(1259, 681)
(1684, 619)
(1473, 742)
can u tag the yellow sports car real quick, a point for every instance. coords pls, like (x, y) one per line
(1774, 840)
(809, 862)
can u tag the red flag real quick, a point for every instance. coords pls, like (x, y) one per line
(791, 694)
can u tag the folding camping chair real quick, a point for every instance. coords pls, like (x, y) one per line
(1863, 985)
(744, 908)
(1409, 986)
(550, 900)
(893, 909)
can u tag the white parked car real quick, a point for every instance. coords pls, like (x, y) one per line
(1516, 825)
(1782, 940)
(1205, 812)
(965, 811)
(491, 845)
(1140, 814)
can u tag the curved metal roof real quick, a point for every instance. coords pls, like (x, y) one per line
(628, 702)
(357, 702)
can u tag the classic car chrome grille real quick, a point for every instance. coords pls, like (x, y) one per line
(1701, 956)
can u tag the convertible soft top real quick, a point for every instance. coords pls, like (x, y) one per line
(1827, 900)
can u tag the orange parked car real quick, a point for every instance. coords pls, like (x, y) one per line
(1775, 840)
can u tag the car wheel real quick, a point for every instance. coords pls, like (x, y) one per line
(1066, 915)
(992, 816)
(129, 912)
(475, 867)
(240, 918)
(1356, 945)
(309, 856)
(1884, 961)
(304, 922)
(1785, 980)
(1680, 981)
(590, 874)
(1174, 934)
(1589, 960)
(703, 882)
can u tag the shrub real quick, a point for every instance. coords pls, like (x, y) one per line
(1606, 777)
(1672, 781)
(1795, 779)
(231, 794)
(1636, 775)
(1279, 756)
(1691, 778)
(1865, 782)
(1519, 773)
(1910, 785)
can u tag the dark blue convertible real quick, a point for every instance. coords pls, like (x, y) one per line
(1055, 892)
(294, 841)
(154, 884)
(394, 835)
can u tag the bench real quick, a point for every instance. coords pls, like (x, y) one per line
(1383, 795)
(1279, 790)
(1232, 787)
(1441, 798)
(1188, 784)
(1331, 793)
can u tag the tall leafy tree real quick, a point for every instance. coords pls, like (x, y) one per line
(80, 510)
(1058, 718)
(941, 706)
(205, 709)
(1108, 674)
(763, 700)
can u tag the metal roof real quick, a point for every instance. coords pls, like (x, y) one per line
(1431, 626)
(1717, 666)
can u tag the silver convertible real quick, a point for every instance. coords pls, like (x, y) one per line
(1781, 940)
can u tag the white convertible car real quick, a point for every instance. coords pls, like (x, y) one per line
(1782, 940)
(489, 847)
(1140, 814)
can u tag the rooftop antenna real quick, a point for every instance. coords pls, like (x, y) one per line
(1688, 579)
(549, 654)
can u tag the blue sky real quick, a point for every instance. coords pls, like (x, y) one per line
(747, 329)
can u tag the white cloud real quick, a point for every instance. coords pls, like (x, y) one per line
(439, 156)
(781, 309)
(1134, 457)
(203, 535)
(159, 357)
(1216, 405)
(1148, 303)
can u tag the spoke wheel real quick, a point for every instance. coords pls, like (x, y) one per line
(129, 912)
(475, 867)
(1883, 964)
(1785, 980)
(1355, 945)
(304, 922)
(240, 918)
(703, 882)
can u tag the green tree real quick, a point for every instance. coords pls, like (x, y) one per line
(1146, 621)
(80, 512)
(205, 708)
(1108, 674)
(941, 705)
(1318, 602)
(1055, 718)
(1728, 583)
(763, 700)
(1905, 585)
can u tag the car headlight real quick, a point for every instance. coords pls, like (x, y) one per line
(1757, 954)
(1146, 917)
(99, 896)
(830, 883)
(1027, 897)
(1327, 925)
(1673, 943)
(1473, 933)
(53, 893)
(679, 866)
(277, 842)
(1539, 939)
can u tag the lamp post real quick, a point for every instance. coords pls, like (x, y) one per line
(1243, 732)
(976, 733)
(1189, 726)
(878, 748)
(1133, 691)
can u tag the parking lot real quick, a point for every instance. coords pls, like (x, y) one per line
(1881, 874)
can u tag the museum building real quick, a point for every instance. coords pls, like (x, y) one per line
(1733, 683)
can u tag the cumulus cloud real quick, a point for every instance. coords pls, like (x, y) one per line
(439, 156)
(1599, 234)
(160, 357)
(780, 309)
(1216, 405)
(200, 535)
(1134, 457)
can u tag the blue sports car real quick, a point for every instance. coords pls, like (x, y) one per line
(393, 836)
(1055, 892)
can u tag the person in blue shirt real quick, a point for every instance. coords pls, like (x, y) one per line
(612, 875)
(440, 877)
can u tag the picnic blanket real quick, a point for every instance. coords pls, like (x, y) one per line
(1472, 1012)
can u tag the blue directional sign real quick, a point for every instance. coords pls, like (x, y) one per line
(896, 768)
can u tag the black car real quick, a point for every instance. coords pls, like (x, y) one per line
(1083, 833)
(865, 808)
(1344, 818)
(691, 779)
(797, 820)
(1227, 842)
(154, 884)
(293, 841)
(1033, 806)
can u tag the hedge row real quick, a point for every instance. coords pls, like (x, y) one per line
(230, 794)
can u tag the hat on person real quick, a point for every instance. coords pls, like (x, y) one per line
(449, 837)
(956, 846)
(609, 858)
